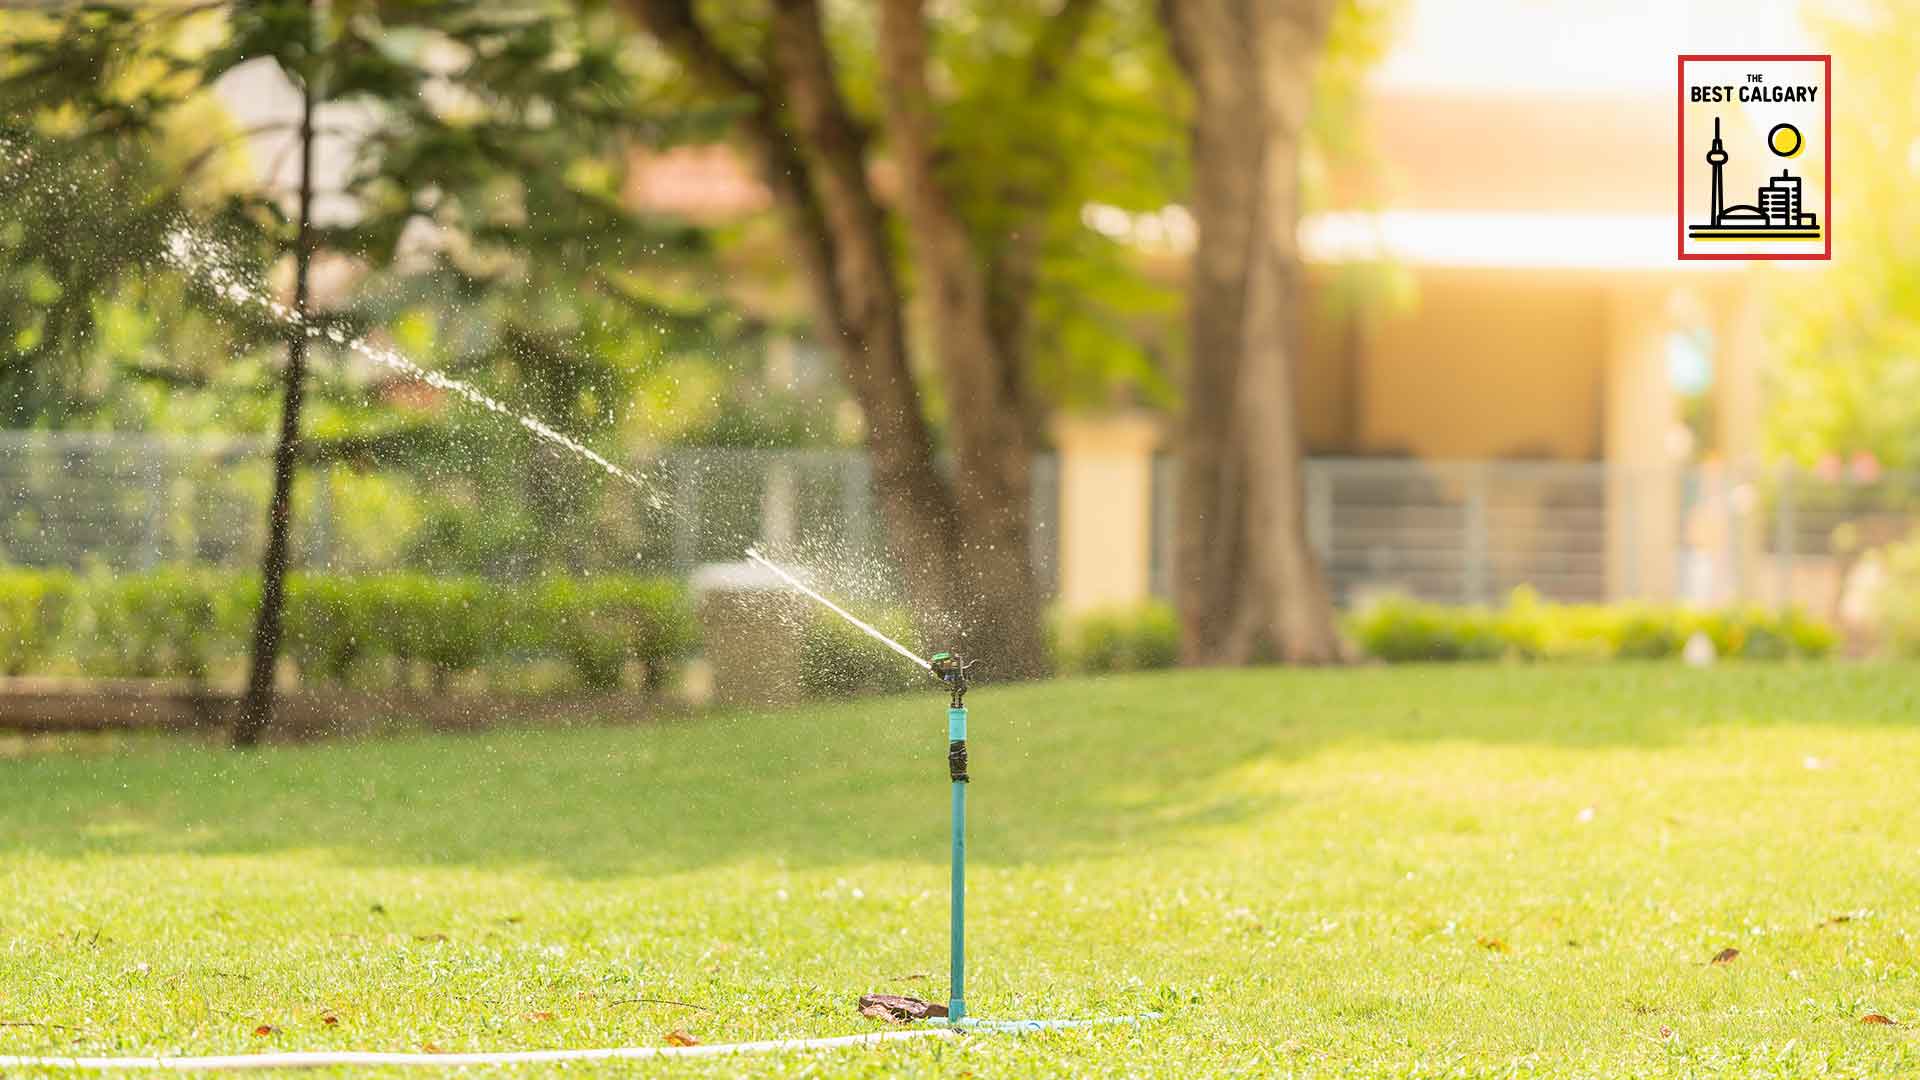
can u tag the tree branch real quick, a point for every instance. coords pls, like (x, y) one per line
(674, 25)
(1057, 42)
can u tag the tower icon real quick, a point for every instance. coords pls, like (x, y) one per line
(1717, 157)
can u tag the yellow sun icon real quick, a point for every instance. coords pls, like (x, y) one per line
(1785, 140)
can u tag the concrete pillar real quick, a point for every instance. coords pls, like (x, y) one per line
(1106, 508)
(752, 627)
(1642, 419)
(1739, 359)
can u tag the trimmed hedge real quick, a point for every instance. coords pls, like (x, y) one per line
(1402, 630)
(33, 607)
(1116, 639)
(185, 623)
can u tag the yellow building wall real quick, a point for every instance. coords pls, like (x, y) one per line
(1484, 364)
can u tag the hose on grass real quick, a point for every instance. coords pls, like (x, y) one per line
(321, 1059)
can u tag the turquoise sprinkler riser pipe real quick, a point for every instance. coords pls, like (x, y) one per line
(957, 932)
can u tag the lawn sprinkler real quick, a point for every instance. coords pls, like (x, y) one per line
(951, 670)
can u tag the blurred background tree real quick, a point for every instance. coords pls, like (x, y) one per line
(907, 177)
(1847, 379)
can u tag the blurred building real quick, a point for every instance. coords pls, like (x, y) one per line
(1521, 186)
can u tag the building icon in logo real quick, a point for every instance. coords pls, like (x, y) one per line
(1776, 213)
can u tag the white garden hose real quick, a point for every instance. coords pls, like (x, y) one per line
(321, 1059)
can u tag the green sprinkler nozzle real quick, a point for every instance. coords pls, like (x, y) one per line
(951, 669)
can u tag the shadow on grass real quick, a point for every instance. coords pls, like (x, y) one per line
(1061, 770)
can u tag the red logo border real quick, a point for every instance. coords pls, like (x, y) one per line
(1680, 155)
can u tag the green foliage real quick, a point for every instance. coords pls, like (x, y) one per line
(838, 660)
(1400, 630)
(189, 624)
(442, 623)
(599, 624)
(1405, 631)
(32, 607)
(329, 624)
(167, 622)
(1899, 601)
(1117, 639)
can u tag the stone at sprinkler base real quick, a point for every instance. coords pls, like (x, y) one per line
(753, 626)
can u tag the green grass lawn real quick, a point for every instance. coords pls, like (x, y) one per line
(1404, 872)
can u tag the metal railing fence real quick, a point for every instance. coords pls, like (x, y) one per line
(1457, 532)
(86, 500)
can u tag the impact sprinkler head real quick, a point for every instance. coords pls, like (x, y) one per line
(951, 669)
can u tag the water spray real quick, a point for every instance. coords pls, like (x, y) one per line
(840, 611)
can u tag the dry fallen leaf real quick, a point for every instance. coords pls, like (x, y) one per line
(1878, 1018)
(898, 1009)
(540, 1014)
(1726, 956)
(263, 1029)
(677, 1037)
(329, 1019)
(1491, 944)
(431, 1048)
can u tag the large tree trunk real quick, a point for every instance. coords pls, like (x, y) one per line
(256, 706)
(1248, 583)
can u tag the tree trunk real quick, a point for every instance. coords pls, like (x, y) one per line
(842, 233)
(1248, 584)
(256, 706)
(993, 454)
